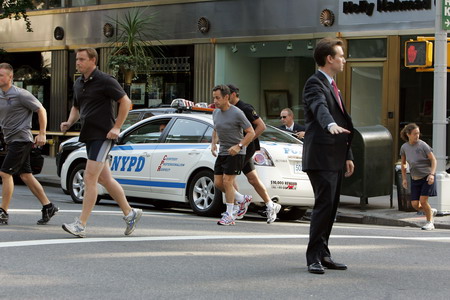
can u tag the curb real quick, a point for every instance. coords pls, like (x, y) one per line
(371, 220)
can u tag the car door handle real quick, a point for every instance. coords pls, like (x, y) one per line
(145, 154)
(194, 152)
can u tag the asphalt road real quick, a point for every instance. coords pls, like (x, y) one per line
(175, 254)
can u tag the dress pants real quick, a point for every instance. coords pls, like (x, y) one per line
(327, 188)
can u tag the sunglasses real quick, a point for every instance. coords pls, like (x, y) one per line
(283, 117)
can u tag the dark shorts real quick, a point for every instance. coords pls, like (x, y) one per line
(98, 150)
(229, 165)
(248, 162)
(422, 188)
(17, 159)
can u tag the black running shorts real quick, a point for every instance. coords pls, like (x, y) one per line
(17, 159)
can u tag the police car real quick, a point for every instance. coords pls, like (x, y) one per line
(176, 165)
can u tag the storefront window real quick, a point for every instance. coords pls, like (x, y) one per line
(367, 48)
(83, 2)
(46, 4)
(270, 75)
(117, 1)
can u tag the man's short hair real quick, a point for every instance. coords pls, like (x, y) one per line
(91, 52)
(233, 89)
(224, 90)
(6, 66)
(289, 111)
(324, 48)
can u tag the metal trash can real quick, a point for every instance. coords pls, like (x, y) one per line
(403, 195)
(373, 176)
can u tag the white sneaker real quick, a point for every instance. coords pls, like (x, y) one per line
(131, 220)
(434, 212)
(226, 220)
(428, 226)
(243, 206)
(272, 212)
(75, 228)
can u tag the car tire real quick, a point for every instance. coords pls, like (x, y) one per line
(291, 213)
(76, 183)
(202, 197)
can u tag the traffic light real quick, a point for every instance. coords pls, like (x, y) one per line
(418, 54)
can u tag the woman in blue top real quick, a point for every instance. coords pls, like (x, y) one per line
(422, 166)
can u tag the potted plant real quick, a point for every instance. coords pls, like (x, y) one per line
(133, 52)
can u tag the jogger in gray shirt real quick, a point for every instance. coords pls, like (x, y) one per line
(230, 124)
(16, 110)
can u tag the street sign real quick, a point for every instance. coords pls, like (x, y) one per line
(445, 14)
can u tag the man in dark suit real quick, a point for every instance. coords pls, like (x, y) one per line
(326, 150)
(287, 119)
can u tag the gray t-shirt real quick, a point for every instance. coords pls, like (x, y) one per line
(417, 158)
(229, 125)
(16, 112)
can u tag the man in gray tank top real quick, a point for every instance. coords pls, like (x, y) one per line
(230, 124)
(16, 111)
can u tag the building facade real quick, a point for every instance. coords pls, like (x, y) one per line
(265, 47)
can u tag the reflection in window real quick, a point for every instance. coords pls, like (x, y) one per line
(275, 135)
(186, 131)
(147, 134)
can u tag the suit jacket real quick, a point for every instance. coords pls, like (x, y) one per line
(321, 149)
(297, 127)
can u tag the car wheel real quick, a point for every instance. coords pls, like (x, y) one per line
(201, 195)
(76, 183)
(291, 213)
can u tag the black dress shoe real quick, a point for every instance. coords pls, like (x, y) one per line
(328, 263)
(316, 268)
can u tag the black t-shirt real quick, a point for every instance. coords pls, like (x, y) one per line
(93, 97)
(251, 115)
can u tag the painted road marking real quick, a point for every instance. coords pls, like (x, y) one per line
(202, 237)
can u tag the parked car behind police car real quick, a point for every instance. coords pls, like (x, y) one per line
(177, 165)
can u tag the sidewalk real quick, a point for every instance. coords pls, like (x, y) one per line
(377, 212)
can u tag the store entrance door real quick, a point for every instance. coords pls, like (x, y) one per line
(367, 94)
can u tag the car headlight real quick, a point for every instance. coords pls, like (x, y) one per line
(262, 158)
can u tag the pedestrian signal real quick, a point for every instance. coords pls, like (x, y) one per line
(418, 54)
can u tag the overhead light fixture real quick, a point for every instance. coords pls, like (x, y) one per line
(253, 48)
(289, 46)
(309, 45)
(234, 48)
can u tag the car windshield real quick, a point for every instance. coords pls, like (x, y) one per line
(271, 134)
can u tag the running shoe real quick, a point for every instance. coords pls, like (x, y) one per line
(428, 226)
(47, 214)
(75, 228)
(271, 212)
(226, 220)
(243, 206)
(133, 217)
(434, 212)
(3, 217)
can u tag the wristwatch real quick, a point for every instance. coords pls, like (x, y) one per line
(240, 145)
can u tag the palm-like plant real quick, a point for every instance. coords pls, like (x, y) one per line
(133, 49)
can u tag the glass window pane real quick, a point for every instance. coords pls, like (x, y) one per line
(148, 133)
(367, 48)
(186, 131)
(83, 2)
(276, 135)
(366, 79)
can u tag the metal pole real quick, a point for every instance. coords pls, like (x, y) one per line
(442, 201)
